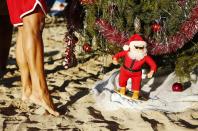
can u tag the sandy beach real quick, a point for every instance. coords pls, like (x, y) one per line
(72, 93)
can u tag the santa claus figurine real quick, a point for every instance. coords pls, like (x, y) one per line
(135, 56)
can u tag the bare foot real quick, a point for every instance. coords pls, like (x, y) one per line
(41, 102)
(24, 97)
(26, 92)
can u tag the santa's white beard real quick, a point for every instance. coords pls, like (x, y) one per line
(137, 54)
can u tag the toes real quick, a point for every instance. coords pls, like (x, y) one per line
(51, 111)
(42, 103)
(24, 98)
(55, 113)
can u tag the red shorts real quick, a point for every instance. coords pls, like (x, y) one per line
(20, 8)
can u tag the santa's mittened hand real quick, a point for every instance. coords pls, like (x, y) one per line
(150, 74)
(115, 62)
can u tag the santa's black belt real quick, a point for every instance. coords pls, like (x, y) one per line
(129, 69)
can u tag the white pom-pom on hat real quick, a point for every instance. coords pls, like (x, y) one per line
(126, 47)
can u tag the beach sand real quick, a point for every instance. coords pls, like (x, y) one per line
(71, 91)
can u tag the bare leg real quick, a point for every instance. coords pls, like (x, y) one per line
(23, 66)
(33, 50)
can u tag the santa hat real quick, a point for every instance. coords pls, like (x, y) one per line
(134, 40)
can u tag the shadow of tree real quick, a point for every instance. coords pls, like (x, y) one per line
(81, 93)
(159, 79)
(64, 108)
(77, 81)
(8, 82)
(99, 118)
(50, 56)
(58, 68)
(51, 53)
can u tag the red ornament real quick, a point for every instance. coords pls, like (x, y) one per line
(87, 47)
(156, 27)
(177, 87)
(188, 29)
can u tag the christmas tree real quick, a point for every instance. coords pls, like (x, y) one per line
(169, 27)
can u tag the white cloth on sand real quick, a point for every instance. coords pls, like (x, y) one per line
(161, 96)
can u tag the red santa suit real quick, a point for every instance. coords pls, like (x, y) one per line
(20, 8)
(132, 67)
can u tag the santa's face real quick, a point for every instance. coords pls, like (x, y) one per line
(137, 51)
